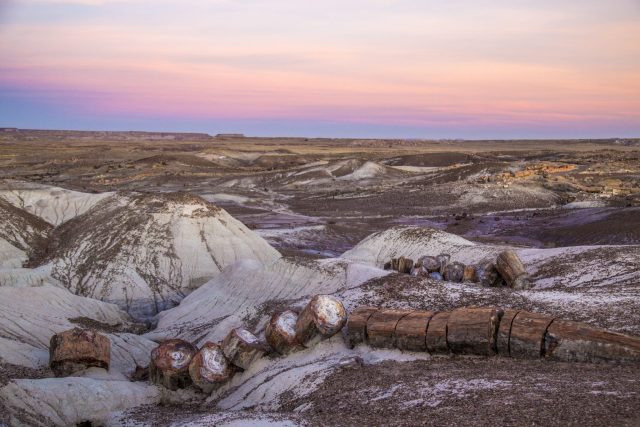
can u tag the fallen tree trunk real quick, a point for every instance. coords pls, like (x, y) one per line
(382, 325)
(169, 364)
(357, 325)
(473, 330)
(411, 331)
(578, 342)
(436, 338)
(209, 368)
(77, 349)
(281, 332)
(528, 330)
(323, 317)
(512, 270)
(242, 348)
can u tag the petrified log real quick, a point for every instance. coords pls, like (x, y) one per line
(436, 338)
(454, 272)
(504, 331)
(528, 330)
(443, 259)
(488, 275)
(469, 274)
(430, 263)
(405, 265)
(357, 325)
(323, 317)
(473, 330)
(381, 327)
(578, 342)
(169, 364)
(394, 264)
(281, 332)
(209, 368)
(77, 349)
(512, 270)
(387, 265)
(411, 331)
(242, 348)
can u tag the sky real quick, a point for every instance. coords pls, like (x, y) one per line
(334, 68)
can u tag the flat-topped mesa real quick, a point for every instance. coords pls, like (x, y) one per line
(209, 368)
(169, 364)
(512, 270)
(242, 348)
(487, 331)
(78, 349)
(323, 317)
(281, 332)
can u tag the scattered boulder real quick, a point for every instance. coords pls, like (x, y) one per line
(512, 270)
(488, 275)
(323, 317)
(430, 263)
(209, 368)
(169, 364)
(242, 348)
(454, 272)
(78, 349)
(281, 332)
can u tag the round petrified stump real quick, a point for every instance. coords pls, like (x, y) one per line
(77, 349)
(169, 364)
(242, 348)
(322, 318)
(454, 272)
(281, 332)
(209, 368)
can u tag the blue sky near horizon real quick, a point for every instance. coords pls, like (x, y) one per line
(378, 68)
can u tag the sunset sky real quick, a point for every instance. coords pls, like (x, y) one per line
(376, 68)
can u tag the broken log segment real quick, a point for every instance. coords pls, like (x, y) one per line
(443, 259)
(504, 331)
(436, 338)
(512, 270)
(357, 325)
(169, 364)
(209, 368)
(323, 317)
(528, 330)
(454, 272)
(381, 327)
(242, 348)
(77, 349)
(578, 342)
(430, 263)
(281, 332)
(473, 330)
(405, 265)
(411, 331)
(469, 274)
(488, 275)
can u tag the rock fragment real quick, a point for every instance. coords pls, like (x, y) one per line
(488, 275)
(430, 263)
(443, 259)
(77, 349)
(169, 364)
(470, 274)
(436, 276)
(242, 348)
(323, 317)
(209, 368)
(281, 332)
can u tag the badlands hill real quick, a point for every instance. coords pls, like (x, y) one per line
(143, 252)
